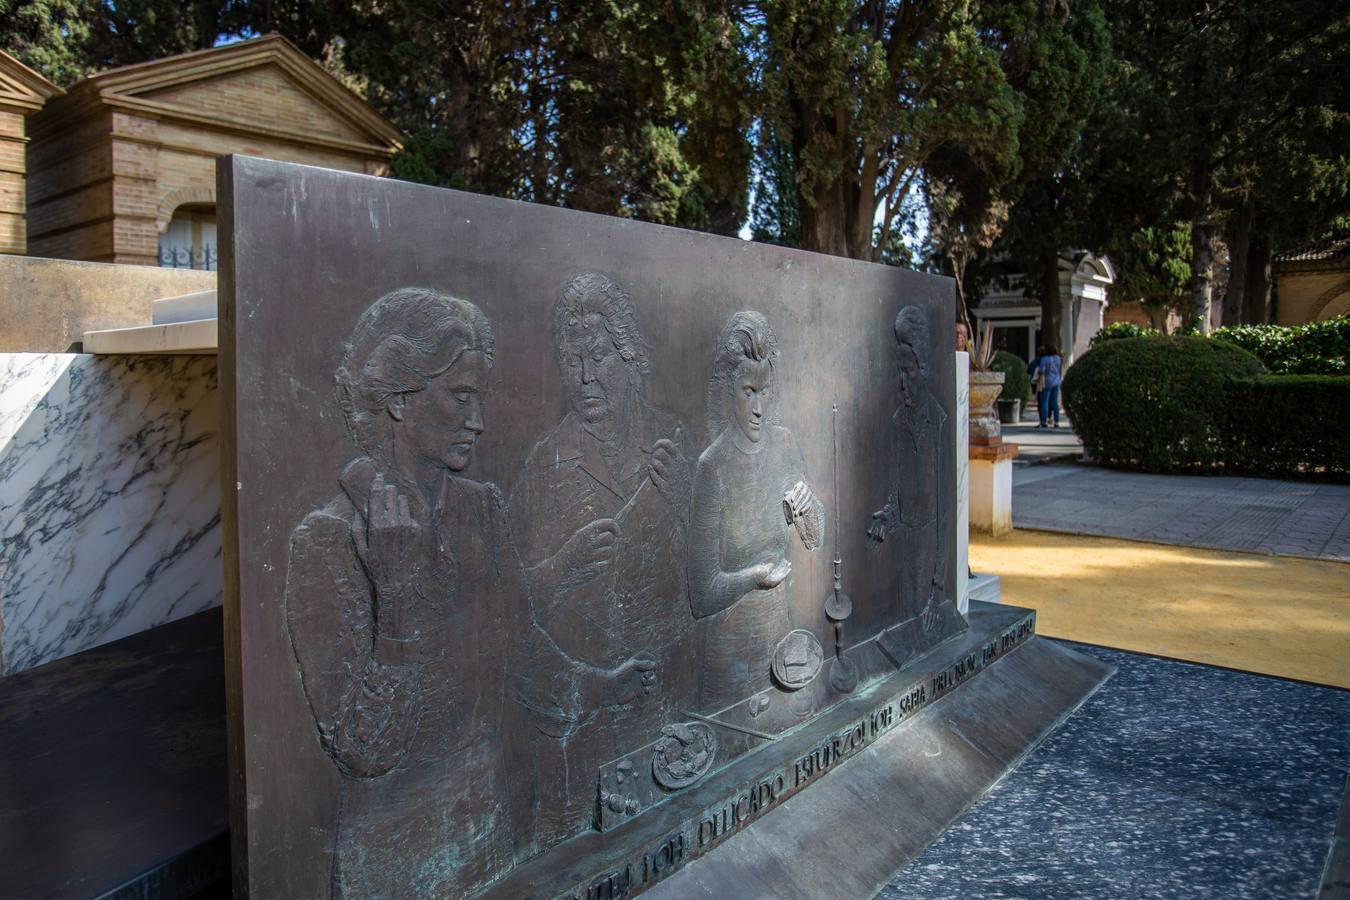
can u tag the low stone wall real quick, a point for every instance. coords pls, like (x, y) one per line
(109, 499)
(46, 305)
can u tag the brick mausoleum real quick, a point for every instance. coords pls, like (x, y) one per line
(121, 168)
(22, 93)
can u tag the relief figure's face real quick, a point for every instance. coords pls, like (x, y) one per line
(752, 393)
(442, 423)
(912, 373)
(598, 378)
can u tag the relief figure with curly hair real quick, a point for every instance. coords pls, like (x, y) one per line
(750, 497)
(600, 513)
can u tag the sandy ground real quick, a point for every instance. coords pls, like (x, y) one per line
(1268, 614)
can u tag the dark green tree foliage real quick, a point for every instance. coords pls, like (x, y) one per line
(774, 218)
(628, 109)
(1216, 102)
(1155, 271)
(51, 36)
(67, 40)
(637, 109)
(864, 93)
(1061, 67)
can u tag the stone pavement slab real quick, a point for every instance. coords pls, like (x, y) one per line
(1255, 515)
(1174, 780)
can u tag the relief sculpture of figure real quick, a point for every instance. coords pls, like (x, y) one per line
(750, 495)
(407, 608)
(600, 512)
(916, 436)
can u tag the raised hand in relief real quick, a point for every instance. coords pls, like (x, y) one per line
(396, 548)
(803, 511)
(631, 681)
(588, 553)
(928, 617)
(883, 521)
(670, 471)
(772, 574)
(797, 502)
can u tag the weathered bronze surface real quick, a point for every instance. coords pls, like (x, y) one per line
(543, 520)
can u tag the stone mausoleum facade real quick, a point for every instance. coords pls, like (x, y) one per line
(1312, 282)
(1084, 282)
(22, 93)
(121, 168)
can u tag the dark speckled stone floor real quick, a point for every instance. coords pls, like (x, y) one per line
(1174, 780)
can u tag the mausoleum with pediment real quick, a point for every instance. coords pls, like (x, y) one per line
(121, 168)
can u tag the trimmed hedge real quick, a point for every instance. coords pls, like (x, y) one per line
(1288, 425)
(1017, 386)
(1317, 348)
(1155, 403)
(1117, 330)
(1193, 404)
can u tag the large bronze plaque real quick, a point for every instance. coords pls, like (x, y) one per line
(536, 520)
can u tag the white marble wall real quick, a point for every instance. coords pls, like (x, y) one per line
(962, 433)
(109, 499)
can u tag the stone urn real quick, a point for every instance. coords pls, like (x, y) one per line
(985, 387)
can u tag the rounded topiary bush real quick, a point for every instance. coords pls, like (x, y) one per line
(1017, 386)
(1154, 403)
(1117, 331)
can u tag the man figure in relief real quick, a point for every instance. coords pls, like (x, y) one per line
(916, 436)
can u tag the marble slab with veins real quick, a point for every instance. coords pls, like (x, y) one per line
(109, 499)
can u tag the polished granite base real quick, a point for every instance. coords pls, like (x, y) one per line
(1174, 780)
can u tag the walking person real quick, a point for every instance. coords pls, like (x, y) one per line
(1037, 382)
(1048, 372)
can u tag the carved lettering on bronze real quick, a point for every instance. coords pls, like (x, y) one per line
(600, 512)
(726, 818)
(750, 495)
(637, 874)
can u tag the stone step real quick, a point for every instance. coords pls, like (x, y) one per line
(193, 337)
(184, 308)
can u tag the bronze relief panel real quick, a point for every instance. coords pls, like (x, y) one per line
(725, 504)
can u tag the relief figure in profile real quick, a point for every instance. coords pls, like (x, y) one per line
(916, 488)
(407, 607)
(600, 513)
(750, 497)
